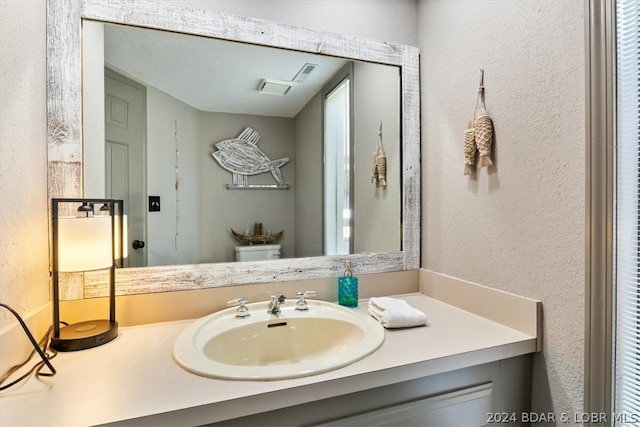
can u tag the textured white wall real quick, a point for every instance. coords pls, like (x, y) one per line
(519, 226)
(376, 209)
(389, 20)
(308, 167)
(24, 252)
(165, 116)
(222, 209)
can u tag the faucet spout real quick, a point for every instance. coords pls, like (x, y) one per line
(275, 303)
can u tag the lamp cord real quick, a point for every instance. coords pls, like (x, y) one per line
(40, 348)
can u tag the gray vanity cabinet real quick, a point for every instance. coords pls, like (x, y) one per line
(472, 396)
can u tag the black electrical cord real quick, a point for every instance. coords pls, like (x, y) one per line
(40, 348)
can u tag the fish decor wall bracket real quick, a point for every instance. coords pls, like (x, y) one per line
(242, 157)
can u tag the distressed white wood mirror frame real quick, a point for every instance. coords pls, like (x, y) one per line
(64, 135)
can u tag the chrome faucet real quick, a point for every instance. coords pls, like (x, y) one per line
(276, 302)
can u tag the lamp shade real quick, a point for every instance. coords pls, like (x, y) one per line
(84, 243)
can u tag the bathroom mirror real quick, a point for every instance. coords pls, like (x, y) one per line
(66, 126)
(183, 94)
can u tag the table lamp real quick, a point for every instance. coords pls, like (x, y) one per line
(86, 242)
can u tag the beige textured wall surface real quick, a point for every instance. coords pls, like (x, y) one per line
(376, 210)
(389, 20)
(274, 209)
(24, 252)
(518, 226)
(172, 125)
(309, 152)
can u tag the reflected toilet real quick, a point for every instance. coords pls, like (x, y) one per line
(257, 252)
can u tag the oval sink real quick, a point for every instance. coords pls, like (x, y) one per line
(268, 347)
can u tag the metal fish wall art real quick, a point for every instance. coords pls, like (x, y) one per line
(242, 157)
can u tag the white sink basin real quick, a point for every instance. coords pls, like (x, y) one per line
(268, 347)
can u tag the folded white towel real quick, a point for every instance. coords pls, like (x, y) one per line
(396, 313)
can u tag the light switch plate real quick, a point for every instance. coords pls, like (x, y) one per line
(154, 203)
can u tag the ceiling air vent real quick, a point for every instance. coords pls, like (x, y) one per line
(274, 87)
(304, 72)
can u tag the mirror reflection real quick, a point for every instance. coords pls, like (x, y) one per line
(155, 104)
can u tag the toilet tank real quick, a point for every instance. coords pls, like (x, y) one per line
(257, 252)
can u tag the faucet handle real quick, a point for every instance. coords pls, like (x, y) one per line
(242, 312)
(275, 303)
(277, 299)
(302, 302)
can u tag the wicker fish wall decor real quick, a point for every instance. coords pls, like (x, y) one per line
(470, 149)
(379, 165)
(242, 157)
(479, 135)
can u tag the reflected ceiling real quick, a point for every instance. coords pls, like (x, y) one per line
(223, 75)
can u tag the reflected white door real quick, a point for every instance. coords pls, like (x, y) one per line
(125, 124)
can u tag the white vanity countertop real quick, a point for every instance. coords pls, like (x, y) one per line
(135, 376)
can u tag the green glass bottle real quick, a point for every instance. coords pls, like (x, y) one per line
(348, 288)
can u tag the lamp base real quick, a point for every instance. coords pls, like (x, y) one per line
(83, 335)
